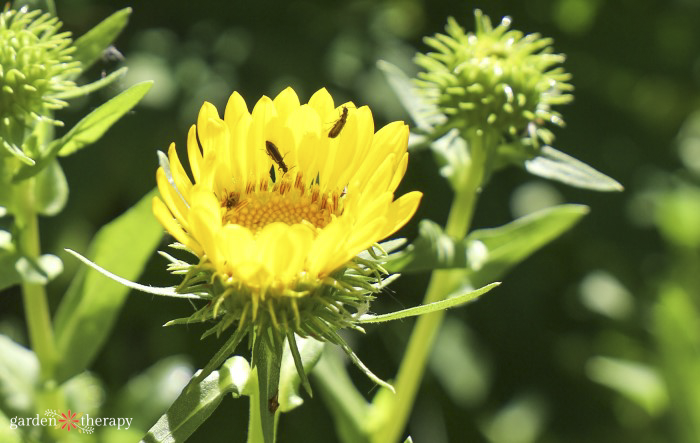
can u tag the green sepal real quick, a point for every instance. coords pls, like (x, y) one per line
(89, 129)
(91, 45)
(555, 165)
(298, 359)
(452, 301)
(198, 401)
(17, 152)
(222, 354)
(486, 253)
(91, 304)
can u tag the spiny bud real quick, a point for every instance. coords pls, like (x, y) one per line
(495, 79)
(35, 65)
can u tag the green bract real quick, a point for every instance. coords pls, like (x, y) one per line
(496, 79)
(35, 65)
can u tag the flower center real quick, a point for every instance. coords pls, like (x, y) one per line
(284, 203)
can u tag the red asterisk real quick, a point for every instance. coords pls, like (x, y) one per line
(69, 421)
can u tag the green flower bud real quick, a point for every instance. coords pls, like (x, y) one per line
(496, 80)
(35, 65)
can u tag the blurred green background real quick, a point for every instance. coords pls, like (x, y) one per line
(519, 365)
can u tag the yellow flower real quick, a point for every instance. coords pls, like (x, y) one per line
(281, 202)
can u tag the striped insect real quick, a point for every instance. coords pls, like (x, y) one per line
(276, 157)
(339, 124)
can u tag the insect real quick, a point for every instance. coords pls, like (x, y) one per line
(230, 199)
(273, 403)
(339, 124)
(276, 157)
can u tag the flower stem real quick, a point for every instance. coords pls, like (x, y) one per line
(442, 283)
(36, 305)
(267, 359)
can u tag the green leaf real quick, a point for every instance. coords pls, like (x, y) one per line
(7, 434)
(51, 189)
(485, 253)
(89, 308)
(39, 272)
(294, 370)
(197, 402)
(676, 328)
(19, 375)
(8, 257)
(89, 129)
(510, 244)
(84, 392)
(424, 114)
(555, 165)
(91, 45)
(452, 301)
(347, 406)
(639, 382)
(153, 391)
(94, 125)
(92, 87)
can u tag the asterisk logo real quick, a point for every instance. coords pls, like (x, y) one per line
(68, 421)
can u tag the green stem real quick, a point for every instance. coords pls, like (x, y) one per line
(264, 398)
(36, 305)
(442, 283)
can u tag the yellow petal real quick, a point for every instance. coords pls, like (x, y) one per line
(166, 219)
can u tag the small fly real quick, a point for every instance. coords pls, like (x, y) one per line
(339, 125)
(276, 157)
(230, 199)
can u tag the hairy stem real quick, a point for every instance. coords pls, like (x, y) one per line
(442, 283)
(267, 360)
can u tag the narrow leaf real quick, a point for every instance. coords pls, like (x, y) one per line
(91, 45)
(486, 253)
(555, 165)
(424, 114)
(198, 401)
(92, 87)
(90, 307)
(88, 130)
(94, 125)
(451, 302)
